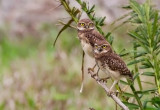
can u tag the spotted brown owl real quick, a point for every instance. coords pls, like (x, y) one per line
(88, 36)
(110, 63)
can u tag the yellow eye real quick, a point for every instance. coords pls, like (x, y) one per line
(91, 24)
(82, 24)
(104, 46)
(96, 46)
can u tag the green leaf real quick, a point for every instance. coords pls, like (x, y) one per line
(145, 103)
(92, 9)
(148, 65)
(157, 53)
(146, 91)
(110, 39)
(148, 73)
(147, 82)
(156, 47)
(102, 21)
(131, 105)
(156, 102)
(150, 108)
(136, 61)
(63, 28)
(139, 38)
(108, 34)
(144, 67)
(136, 76)
(127, 7)
(123, 82)
(128, 94)
(140, 54)
(155, 26)
(124, 54)
(137, 8)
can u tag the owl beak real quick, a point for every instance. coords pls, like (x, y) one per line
(87, 26)
(99, 49)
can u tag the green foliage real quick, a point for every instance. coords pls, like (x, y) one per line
(2, 106)
(147, 36)
(131, 106)
(10, 50)
(146, 46)
(59, 96)
(64, 27)
(31, 102)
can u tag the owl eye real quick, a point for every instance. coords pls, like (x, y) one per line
(96, 46)
(104, 46)
(91, 24)
(82, 24)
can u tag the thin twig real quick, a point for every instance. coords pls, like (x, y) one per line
(82, 69)
(62, 23)
(103, 85)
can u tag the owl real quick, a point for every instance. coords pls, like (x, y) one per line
(88, 36)
(110, 63)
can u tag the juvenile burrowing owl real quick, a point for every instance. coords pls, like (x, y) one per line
(110, 63)
(86, 34)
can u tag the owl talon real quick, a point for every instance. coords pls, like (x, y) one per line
(93, 75)
(90, 69)
(110, 93)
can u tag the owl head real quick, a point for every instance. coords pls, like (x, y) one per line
(102, 48)
(85, 24)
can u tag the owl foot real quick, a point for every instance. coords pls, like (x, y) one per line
(93, 75)
(91, 71)
(110, 93)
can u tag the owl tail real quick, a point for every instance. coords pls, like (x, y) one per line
(130, 76)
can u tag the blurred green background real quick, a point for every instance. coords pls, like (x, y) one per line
(34, 75)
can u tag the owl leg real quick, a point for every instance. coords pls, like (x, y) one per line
(92, 69)
(113, 85)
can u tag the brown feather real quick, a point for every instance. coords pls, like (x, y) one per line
(115, 63)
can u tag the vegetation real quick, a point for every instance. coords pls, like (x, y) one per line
(144, 55)
(34, 75)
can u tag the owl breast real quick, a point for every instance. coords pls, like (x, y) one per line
(87, 48)
(104, 67)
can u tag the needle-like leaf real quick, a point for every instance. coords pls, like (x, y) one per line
(63, 28)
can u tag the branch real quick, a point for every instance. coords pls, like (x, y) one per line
(103, 85)
(62, 23)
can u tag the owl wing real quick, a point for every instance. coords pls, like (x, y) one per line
(94, 36)
(117, 64)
